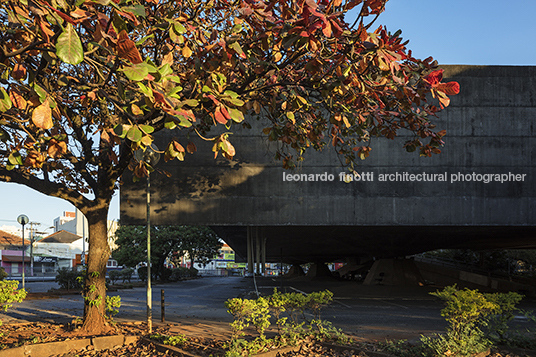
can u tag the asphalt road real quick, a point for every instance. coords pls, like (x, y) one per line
(368, 312)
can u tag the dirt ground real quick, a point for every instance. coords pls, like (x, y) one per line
(204, 338)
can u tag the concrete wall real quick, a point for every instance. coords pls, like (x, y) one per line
(490, 131)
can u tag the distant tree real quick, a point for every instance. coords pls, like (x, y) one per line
(201, 243)
(85, 84)
(166, 242)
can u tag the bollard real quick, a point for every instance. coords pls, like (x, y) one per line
(162, 306)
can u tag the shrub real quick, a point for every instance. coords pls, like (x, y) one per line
(142, 273)
(70, 278)
(256, 313)
(3, 274)
(498, 321)
(165, 274)
(126, 274)
(113, 303)
(465, 312)
(114, 275)
(10, 294)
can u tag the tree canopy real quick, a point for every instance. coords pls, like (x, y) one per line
(85, 83)
(200, 244)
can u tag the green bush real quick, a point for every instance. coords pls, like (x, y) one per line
(69, 279)
(470, 314)
(113, 303)
(165, 274)
(142, 273)
(114, 275)
(3, 274)
(181, 273)
(497, 323)
(256, 313)
(126, 274)
(9, 293)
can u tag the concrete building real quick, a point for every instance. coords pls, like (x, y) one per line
(61, 249)
(478, 193)
(76, 223)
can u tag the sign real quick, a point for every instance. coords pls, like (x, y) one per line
(236, 265)
(50, 260)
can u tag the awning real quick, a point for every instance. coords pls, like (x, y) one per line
(14, 258)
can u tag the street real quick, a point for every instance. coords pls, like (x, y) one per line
(368, 312)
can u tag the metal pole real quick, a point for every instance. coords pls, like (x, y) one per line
(31, 249)
(83, 258)
(149, 291)
(23, 250)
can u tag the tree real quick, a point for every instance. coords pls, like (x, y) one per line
(201, 243)
(84, 84)
(166, 242)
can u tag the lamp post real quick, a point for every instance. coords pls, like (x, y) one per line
(23, 219)
(151, 156)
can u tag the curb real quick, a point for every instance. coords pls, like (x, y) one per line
(61, 347)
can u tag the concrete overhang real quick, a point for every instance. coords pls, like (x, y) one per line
(478, 193)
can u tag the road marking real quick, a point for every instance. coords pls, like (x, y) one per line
(392, 303)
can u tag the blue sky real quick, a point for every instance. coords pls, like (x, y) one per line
(452, 31)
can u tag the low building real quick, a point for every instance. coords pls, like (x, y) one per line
(11, 253)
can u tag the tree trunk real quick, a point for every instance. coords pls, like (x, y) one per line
(95, 284)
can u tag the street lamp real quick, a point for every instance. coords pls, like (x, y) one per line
(151, 156)
(23, 219)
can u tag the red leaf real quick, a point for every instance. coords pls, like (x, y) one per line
(19, 72)
(126, 48)
(225, 112)
(326, 28)
(191, 148)
(450, 88)
(220, 117)
(434, 78)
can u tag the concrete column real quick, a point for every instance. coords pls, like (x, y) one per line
(250, 250)
(257, 250)
(263, 251)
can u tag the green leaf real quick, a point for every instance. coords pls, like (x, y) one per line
(138, 10)
(4, 135)
(15, 158)
(134, 134)
(145, 90)
(147, 129)
(179, 28)
(69, 47)
(5, 101)
(136, 72)
(121, 130)
(40, 92)
(236, 115)
(170, 124)
(236, 47)
(184, 122)
(143, 39)
(291, 116)
(190, 102)
(165, 70)
(231, 94)
(174, 79)
(174, 91)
